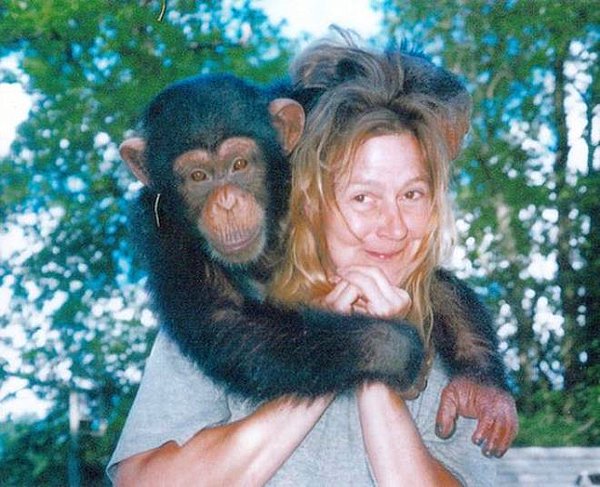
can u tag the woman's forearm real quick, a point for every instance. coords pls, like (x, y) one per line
(247, 452)
(396, 451)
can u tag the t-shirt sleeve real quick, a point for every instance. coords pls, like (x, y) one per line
(457, 453)
(174, 401)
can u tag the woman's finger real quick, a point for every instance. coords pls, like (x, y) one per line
(378, 277)
(341, 298)
(380, 299)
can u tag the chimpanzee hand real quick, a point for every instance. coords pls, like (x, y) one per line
(493, 408)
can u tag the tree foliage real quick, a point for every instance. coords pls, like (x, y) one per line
(528, 188)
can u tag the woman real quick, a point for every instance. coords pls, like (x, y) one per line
(369, 222)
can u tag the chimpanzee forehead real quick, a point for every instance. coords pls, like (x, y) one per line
(229, 149)
(205, 110)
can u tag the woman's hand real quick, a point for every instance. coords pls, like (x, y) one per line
(368, 291)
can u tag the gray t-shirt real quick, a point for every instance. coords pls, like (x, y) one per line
(176, 400)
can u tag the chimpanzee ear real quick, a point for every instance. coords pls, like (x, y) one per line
(132, 152)
(287, 116)
(455, 123)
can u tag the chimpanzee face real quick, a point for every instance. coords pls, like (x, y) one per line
(203, 135)
(226, 197)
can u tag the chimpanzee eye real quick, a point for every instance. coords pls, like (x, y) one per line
(198, 176)
(240, 164)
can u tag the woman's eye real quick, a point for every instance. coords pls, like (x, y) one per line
(198, 176)
(240, 164)
(413, 195)
(360, 198)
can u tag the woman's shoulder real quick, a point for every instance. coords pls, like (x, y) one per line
(168, 368)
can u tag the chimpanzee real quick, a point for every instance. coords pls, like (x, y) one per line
(212, 156)
(207, 224)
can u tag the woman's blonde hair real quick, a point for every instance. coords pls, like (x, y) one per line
(371, 103)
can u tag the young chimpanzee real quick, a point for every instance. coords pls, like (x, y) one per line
(207, 224)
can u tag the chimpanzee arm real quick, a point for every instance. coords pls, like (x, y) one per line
(463, 332)
(262, 352)
(259, 350)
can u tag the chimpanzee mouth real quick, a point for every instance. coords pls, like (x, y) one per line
(240, 242)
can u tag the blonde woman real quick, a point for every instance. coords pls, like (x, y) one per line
(368, 226)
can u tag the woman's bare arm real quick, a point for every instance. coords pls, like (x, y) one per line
(394, 445)
(396, 451)
(246, 452)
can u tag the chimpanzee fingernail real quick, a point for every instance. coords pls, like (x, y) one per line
(441, 432)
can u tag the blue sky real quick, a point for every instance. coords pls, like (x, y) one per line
(314, 16)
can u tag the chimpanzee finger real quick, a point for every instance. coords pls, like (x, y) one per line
(501, 448)
(445, 421)
(484, 433)
(505, 437)
(488, 445)
(496, 445)
(505, 428)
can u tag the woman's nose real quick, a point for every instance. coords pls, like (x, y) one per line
(392, 224)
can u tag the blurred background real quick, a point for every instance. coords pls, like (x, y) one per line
(74, 76)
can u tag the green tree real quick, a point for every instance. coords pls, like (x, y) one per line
(76, 315)
(527, 183)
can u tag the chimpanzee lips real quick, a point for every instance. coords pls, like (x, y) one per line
(238, 241)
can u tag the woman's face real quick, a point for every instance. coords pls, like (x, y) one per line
(384, 206)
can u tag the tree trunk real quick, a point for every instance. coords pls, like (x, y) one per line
(566, 278)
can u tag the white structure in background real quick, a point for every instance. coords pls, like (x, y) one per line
(549, 467)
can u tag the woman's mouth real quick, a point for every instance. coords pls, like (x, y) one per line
(382, 256)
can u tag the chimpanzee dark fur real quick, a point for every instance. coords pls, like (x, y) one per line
(464, 333)
(213, 310)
